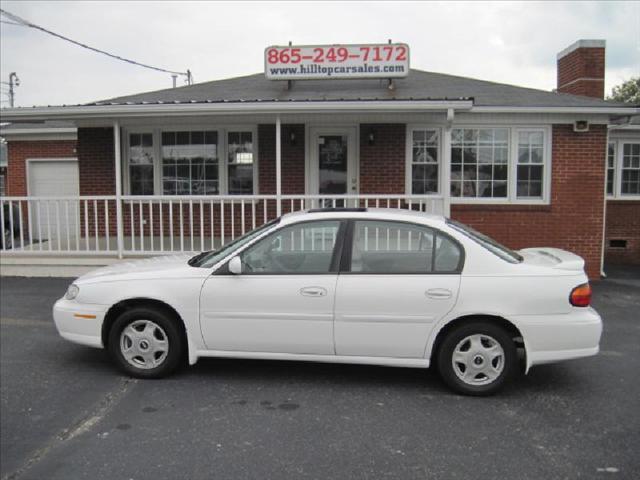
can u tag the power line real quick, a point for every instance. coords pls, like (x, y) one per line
(25, 23)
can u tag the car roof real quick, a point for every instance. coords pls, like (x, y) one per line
(363, 213)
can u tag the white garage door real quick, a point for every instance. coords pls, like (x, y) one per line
(53, 178)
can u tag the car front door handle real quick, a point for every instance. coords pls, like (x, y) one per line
(313, 291)
(438, 293)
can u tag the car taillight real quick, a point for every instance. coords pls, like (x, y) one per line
(581, 296)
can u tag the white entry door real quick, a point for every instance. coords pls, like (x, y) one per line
(53, 178)
(333, 161)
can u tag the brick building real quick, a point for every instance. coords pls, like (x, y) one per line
(190, 168)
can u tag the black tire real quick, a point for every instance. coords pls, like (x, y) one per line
(455, 337)
(168, 326)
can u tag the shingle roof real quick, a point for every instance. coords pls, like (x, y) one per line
(419, 85)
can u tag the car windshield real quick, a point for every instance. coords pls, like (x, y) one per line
(210, 258)
(489, 243)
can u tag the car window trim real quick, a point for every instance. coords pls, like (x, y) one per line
(345, 263)
(335, 255)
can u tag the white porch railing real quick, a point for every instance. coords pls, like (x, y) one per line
(153, 225)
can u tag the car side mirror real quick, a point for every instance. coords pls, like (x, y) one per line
(235, 265)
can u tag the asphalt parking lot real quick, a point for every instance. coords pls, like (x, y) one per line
(66, 414)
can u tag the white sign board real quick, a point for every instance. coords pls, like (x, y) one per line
(312, 62)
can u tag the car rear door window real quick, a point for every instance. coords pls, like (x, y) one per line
(383, 247)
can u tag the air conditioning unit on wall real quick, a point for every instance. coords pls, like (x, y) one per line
(581, 126)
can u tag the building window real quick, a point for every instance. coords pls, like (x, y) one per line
(141, 163)
(611, 167)
(425, 159)
(630, 172)
(479, 162)
(190, 163)
(530, 164)
(2, 187)
(240, 158)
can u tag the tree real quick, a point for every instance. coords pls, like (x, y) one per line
(627, 92)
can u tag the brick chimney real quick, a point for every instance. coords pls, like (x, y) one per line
(581, 69)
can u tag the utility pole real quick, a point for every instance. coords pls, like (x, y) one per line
(14, 81)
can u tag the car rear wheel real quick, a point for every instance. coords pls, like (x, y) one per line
(146, 343)
(477, 358)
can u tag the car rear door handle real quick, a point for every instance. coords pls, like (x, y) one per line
(438, 293)
(313, 291)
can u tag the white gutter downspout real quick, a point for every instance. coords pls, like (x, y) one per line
(604, 210)
(446, 161)
(117, 155)
(278, 168)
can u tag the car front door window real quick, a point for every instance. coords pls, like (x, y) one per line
(305, 248)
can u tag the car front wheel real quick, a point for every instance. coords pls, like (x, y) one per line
(477, 358)
(146, 343)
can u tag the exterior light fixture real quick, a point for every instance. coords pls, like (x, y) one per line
(371, 137)
(292, 138)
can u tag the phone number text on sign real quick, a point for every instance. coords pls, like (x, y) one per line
(337, 61)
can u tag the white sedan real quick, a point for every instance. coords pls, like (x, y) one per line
(369, 286)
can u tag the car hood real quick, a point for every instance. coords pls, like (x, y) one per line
(166, 266)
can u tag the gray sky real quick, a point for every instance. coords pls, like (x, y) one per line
(504, 42)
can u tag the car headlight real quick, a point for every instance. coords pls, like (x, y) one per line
(72, 292)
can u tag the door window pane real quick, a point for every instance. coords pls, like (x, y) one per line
(305, 248)
(332, 164)
(395, 248)
(190, 163)
(240, 163)
(141, 164)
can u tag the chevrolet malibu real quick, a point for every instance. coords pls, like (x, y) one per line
(367, 286)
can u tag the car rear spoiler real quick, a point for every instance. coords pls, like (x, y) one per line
(555, 258)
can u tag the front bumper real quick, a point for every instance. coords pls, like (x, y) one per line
(79, 323)
(553, 338)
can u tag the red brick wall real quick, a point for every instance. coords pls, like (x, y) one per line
(573, 220)
(382, 164)
(583, 65)
(20, 151)
(96, 165)
(292, 157)
(623, 223)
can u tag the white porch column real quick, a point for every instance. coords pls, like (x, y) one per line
(446, 165)
(278, 167)
(118, 167)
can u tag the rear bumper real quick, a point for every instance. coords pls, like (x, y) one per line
(555, 338)
(79, 323)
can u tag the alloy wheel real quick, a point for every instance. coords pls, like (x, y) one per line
(144, 344)
(478, 359)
